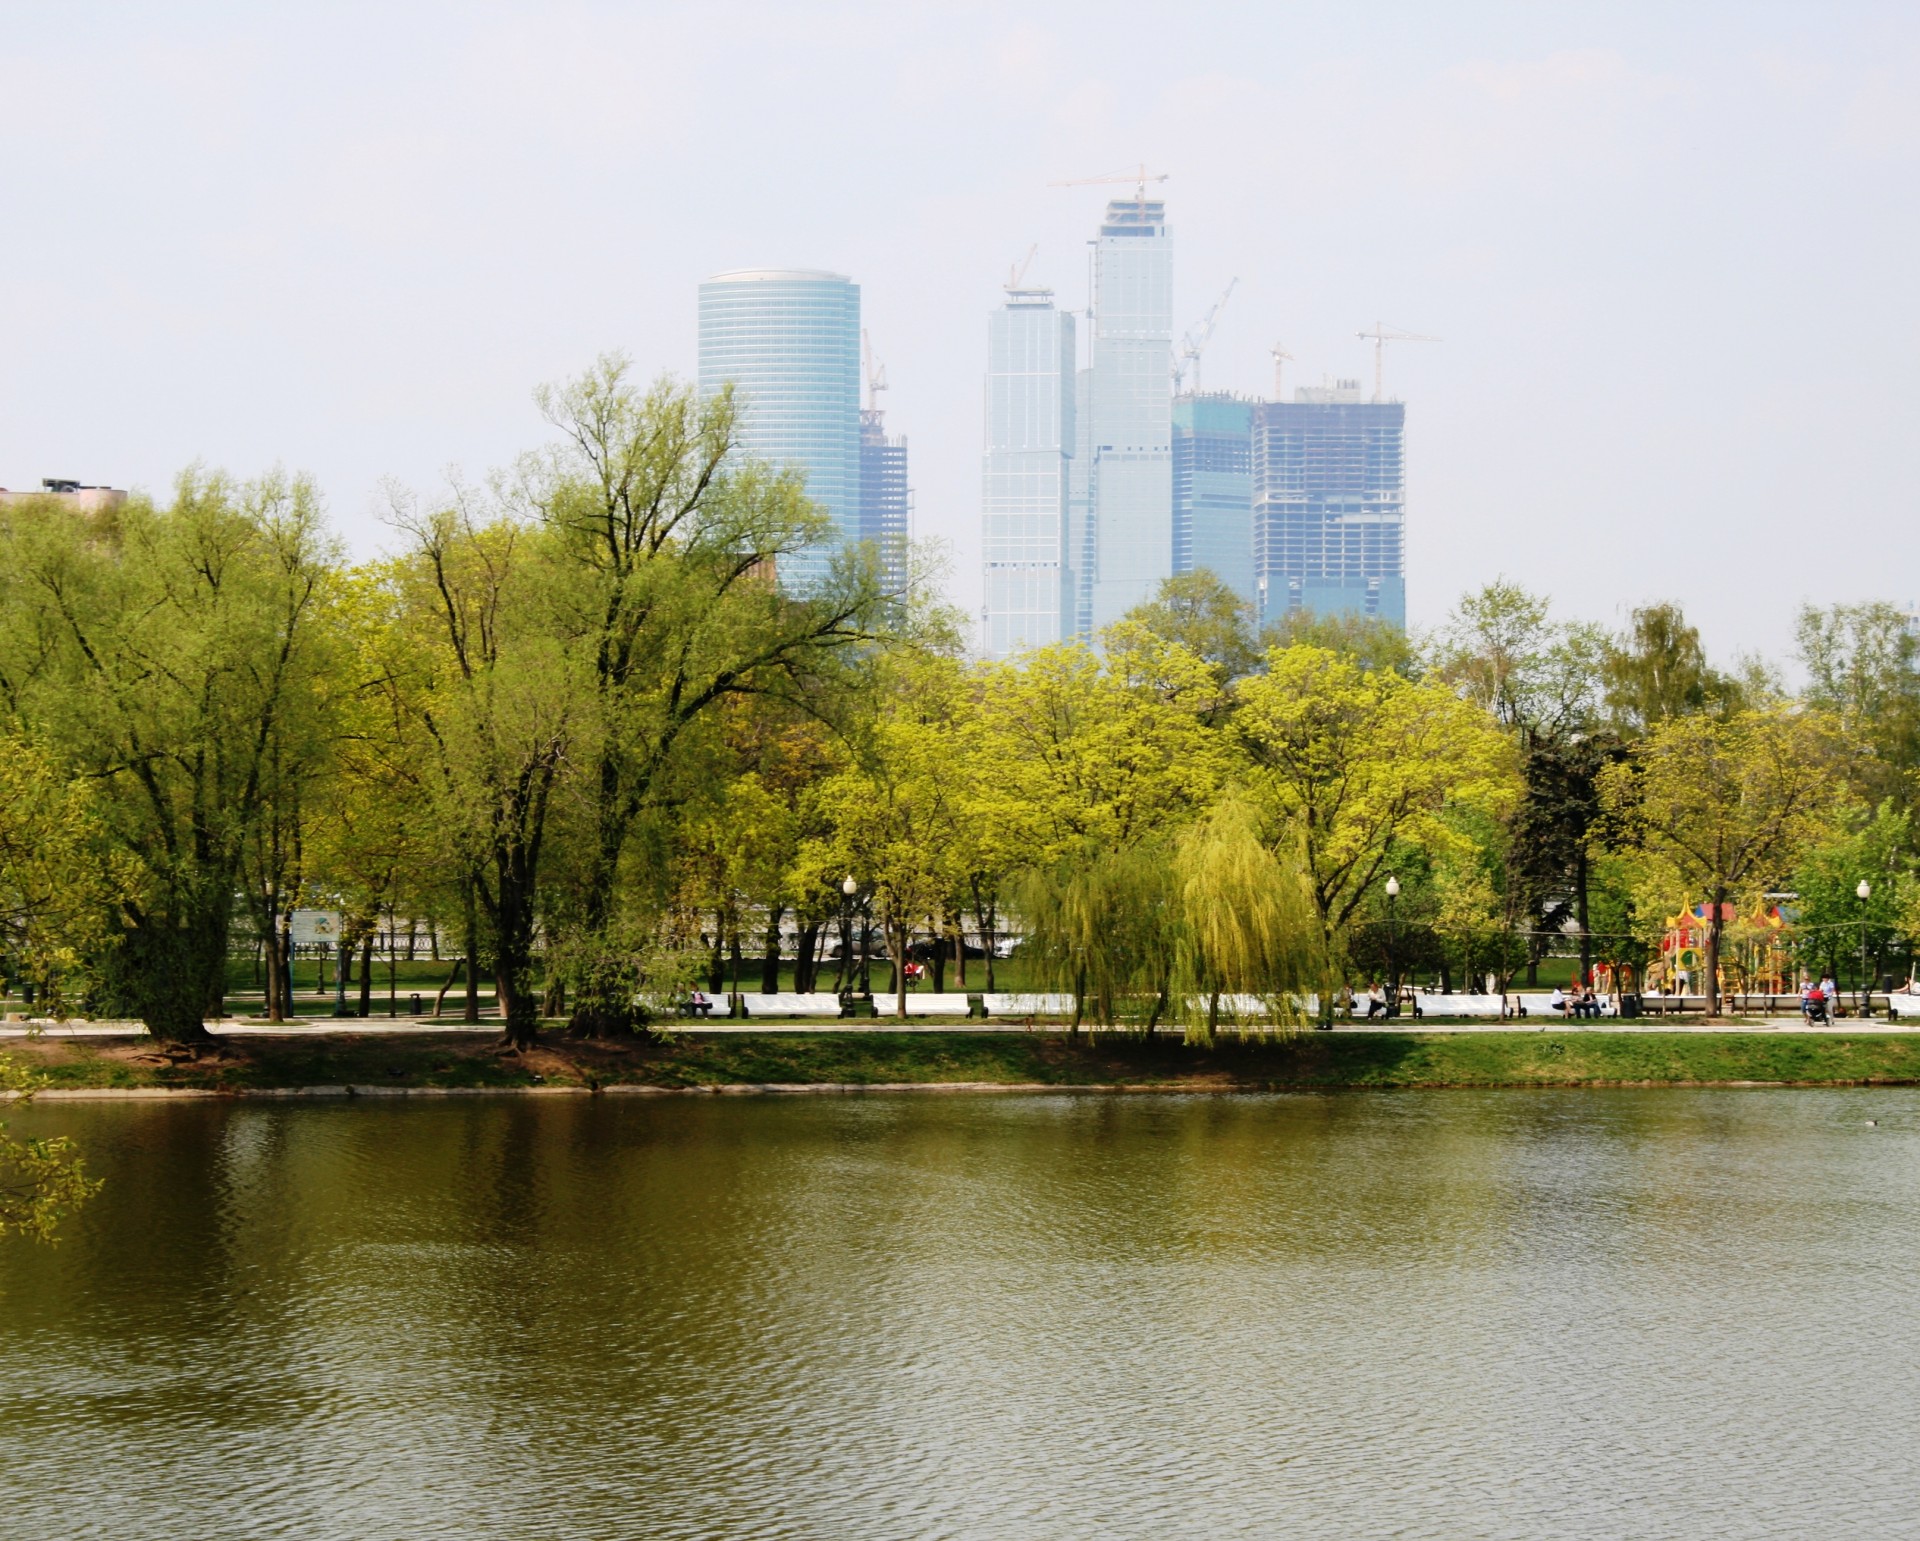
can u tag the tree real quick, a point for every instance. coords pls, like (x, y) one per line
(893, 812)
(61, 880)
(473, 658)
(1724, 808)
(1540, 679)
(664, 546)
(1367, 640)
(157, 652)
(1349, 763)
(1874, 847)
(1863, 666)
(1658, 670)
(1201, 613)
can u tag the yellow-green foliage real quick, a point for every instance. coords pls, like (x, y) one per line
(41, 1181)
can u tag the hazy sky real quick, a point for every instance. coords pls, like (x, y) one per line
(1671, 248)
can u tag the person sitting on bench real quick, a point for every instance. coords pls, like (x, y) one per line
(698, 1005)
(1588, 1005)
(1376, 1001)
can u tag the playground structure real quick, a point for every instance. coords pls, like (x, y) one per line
(1756, 952)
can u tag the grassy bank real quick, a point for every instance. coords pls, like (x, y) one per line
(1310, 1061)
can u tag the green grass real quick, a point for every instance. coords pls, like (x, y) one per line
(1049, 1059)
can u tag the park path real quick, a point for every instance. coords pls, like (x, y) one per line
(332, 1027)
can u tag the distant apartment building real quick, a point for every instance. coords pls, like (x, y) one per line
(1329, 504)
(1213, 489)
(71, 494)
(789, 343)
(886, 498)
(1026, 473)
(1120, 544)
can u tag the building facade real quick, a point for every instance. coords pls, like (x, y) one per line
(67, 493)
(1213, 489)
(886, 497)
(789, 343)
(1127, 549)
(1329, 505)
(1025, 477)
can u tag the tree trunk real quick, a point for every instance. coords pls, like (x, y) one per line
(471, 1010)
(275, 980)
(440, 999)
(366, 973)
(960, 947)
(897, 938)
(770, 959)
(983, 913)
(717, 964)
(1714, 924)
(939, 958)
(806, 964)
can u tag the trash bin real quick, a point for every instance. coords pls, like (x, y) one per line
(413, 1005)
(1629, 1005)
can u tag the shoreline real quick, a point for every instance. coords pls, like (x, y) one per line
(351, 1093)
(387, 1066)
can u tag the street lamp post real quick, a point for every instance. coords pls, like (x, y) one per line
(1393, 936)
(848, 889)
(1864, 892)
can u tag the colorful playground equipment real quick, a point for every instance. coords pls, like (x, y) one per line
(1756, 956)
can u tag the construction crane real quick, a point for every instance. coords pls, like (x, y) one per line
(1380, 336)
(1136, 179)
(1280, 358)
(1195, 342)
(875, 370)
(1017, 274)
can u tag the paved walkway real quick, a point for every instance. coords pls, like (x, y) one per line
(327, 1027)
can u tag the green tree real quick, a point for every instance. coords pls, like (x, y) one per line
(1723, 809)
(1863, 666)
(1199, 612)
(1875, 848)
(664, 545)
(157, 652)
(1351, 763)
(472, 657)
(1658, 670)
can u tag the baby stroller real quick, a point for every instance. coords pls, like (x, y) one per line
(1814, 1008)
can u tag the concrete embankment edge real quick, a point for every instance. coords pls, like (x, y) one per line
(860, 1088)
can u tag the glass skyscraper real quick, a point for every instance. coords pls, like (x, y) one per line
(886, 500)
(1329, 509)
(1213, 489)
(789, 341)
(1029, 450)
(1127, 548)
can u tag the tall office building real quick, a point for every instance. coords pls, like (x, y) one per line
(886, 499)
(1127, 548)
(1213, 489)
(1329, 504)
(1030, 435)
(789, 341)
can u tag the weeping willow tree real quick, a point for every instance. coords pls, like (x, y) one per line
(1207, 927)
(1244, 927)
(1096, 926)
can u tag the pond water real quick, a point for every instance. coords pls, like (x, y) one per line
(1680, 1313)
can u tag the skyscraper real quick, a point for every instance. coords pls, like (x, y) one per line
(1029, 450)
(1329, 510)
(886, 499)
(1213, 489)
(789, 341)
(1130, 432)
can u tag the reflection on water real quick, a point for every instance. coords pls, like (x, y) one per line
(1673, 1313)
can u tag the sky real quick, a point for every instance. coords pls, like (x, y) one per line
(1670, 250)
